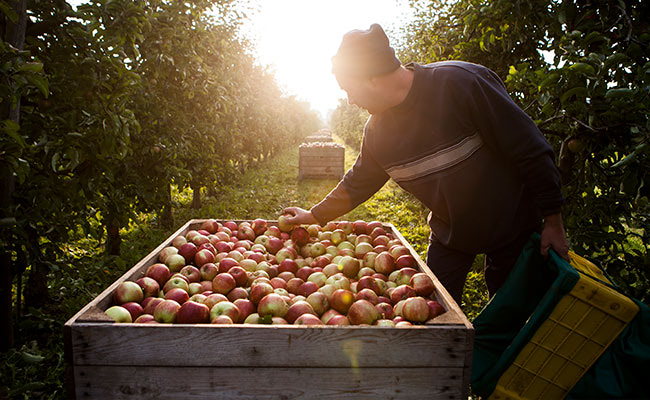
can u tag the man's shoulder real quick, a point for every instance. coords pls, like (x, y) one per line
(460, 72)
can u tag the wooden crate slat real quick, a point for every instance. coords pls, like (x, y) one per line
(160, 383)
(248, 346)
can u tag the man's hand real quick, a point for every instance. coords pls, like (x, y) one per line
(299, 216)
(554, 237)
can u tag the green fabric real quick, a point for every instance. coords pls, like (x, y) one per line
(524, 302)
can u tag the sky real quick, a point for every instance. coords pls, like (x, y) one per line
(297, 38)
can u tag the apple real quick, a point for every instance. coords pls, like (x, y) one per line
(385, 310)
(203, 256)
(338, 320)
(402, 276)
(198, 297)
(360, 227)
(259, 226)
(166, 252)
(150, 286)
(175, 262)
(367, 294)
(235, 255)
(350, 266)
(159, 272)
(192, 273)
(176, 282)
(361, 249)
(368, 282)
(398, 250)
(435, 309)
(406, 260)
(337, 236)
(341, 300)
(245, 233)
(318, 302)
(274, 245)
(259, 291)
(223, 247)
(192, 312)
(403, 324)
(200, 239)
(317, 249)
(188, 251)
(196, 288)
(272, 230)
(208, 271)
(213, 299)
(240, 275)
(300, 235)
(226, 263)
(308, 319)
(284, 253)
(376, 231)
(283, 224)
(222, 320)
(339, 281)
(278, 282)
(135, 309)
(363, 312)
(150, 306)
(422, 284)
(318, 278)
(248, 264)
(128, 291)
(225, 308)
(415, 309)
(329, 314)
(402, 292)
(384, 263)
(119, 314)
(237, 293)
(166, 311)
(272, 304)
(307, 288)
(331, 269)
(178, 241)
(246, 308)
(177, 294)
(223, 283)
(145, 319)
(253, 318)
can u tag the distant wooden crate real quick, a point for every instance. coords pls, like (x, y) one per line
(318, 138)
(107, 360)
(321, 162)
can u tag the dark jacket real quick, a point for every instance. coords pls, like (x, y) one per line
(459, 144)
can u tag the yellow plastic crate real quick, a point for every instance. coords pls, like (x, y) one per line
(579, 329)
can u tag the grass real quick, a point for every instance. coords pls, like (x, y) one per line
(35, 369)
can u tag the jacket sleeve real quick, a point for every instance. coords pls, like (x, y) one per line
(360, 182)
(509, 131)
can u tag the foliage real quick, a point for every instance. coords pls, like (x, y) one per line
(591, 103)
(347, 122)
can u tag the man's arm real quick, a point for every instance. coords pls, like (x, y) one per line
(363, 180)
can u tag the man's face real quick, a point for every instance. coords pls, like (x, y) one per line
(362, 92)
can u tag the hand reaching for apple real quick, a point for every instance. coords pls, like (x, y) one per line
(298, 216)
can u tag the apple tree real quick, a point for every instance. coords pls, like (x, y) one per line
(347, 122)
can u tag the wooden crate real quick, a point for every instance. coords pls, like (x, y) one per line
(106, 360)
(321, 162)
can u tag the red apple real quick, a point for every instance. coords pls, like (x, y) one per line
(384, 263)
(338, 320)
(283, 223)
(259, 291)
(318, 302)
(177, 294)
(300, 235)
(222, 320)
(145, 319)
(203, 257)
(192, 273)
(150, 286)
(406, 260)
(297, 309)
(178, 241)
(415, 309)
(150, 305)
(308, 319)
(192, 312)
(188, 250)
(176, 282)
(237, 293)
(341, 300)
(175, 262)
(246, 308)
(422, 284)
(402, 292)
(385, 310)
(225, 308)
(368, 282)
(272, 304)
(366, 294)
(360, 227)
(208, 271)
(159, 272)
(435, 309)
(350, 266)
(135, 309)
(223, 283)
(226, 263)
(307, 288)
(363, 312)
(240, 275)
(166, 311)
(166, 252)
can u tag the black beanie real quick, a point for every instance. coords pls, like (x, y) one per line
(365, 53)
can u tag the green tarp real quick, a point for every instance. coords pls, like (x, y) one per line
(524, 302)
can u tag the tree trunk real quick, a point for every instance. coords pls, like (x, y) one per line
(196, 195)
(36, 292)
(113, 239)
(15, 35)
(166, 216)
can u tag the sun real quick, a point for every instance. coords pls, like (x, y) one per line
(297, 38)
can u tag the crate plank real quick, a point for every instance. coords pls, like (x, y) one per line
(151, 382)
(254, 345)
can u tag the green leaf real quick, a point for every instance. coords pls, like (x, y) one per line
(618, 93)
(7, 10)
(583, 68)
(40, 82)
(31, 67)
(578, 92)
(11, 128)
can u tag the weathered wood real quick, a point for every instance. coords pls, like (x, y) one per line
(160, 383)
(321, 162)
(249, 346)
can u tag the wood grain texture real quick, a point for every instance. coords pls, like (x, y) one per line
(105, 382)
(255, 345)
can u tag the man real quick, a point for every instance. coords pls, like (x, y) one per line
(450, 134)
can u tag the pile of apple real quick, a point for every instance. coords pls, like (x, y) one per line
(343, 273)
(321, 145)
